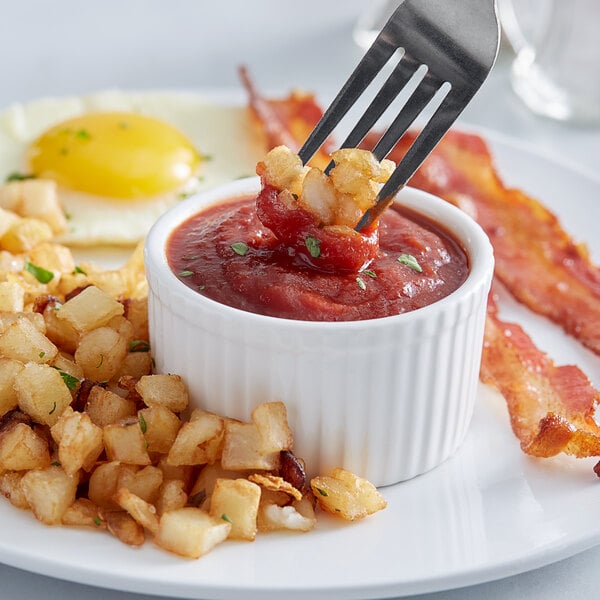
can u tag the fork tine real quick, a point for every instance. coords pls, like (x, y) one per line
(371, 63)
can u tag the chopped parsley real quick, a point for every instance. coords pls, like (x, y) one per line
(313, 245)
(186, 273)
(143, 424)
(100, 361)
(41, 274)
(369, 273)
(226, 518)
(53, 408)
(42, 354)
(16, 176)
(55, 464)
(240, 248)
(97, 522)
(321, 491)
(139, 346)
(83, 134)
(410, 261)
(78, 269)
(70, 381)
(361, 284)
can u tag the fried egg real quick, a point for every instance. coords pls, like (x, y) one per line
(121, 159)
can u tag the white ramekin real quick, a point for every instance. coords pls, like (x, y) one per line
(386, 398)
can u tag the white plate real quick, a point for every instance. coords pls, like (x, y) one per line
(487, 513)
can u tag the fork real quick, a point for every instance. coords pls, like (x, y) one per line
(452, 45)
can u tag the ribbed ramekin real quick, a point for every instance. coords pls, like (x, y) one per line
(386, 398)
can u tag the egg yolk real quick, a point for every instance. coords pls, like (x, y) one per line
(115, 155)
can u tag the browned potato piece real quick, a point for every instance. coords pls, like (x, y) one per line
(23, 341)
(272, 517)
(80, 442)
(90, 309)
(8, 318)
(83, 513)
(198, 441)
(125, 528)
(190, 532)
(204, 485)
(270, 419)
(100, 353)
(346, 495)
(183, 472)
(65, 364)
(144, 483)
(21, 448)
(42, 393)
(167, 390)
(10, 488)
(136, 364)
(12, 296)
(49, 492)
(140, 510)
(9, 371)
(242, 448)
(171, 496)
(105, 407)
(103, 483)
(137, 313)
(236, 501)
(61, 332)
(160, 427)
(24, 234)
(125, 442)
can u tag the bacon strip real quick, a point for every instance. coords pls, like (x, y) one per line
(536, 260)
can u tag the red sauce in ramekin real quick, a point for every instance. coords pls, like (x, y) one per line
(228, 255)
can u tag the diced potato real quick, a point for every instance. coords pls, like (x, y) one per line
(21, 448)
(65, 364)
(236, 501)
(90, 309)
(8, 318)
(168, 390)
(24, 234)
(144, 483)
(190, 532)
(23, 341)
(100, 353)
(59, 331)
(42, 393)
(198, 441)
(283, 169)
(9, 371)
(242, 448)
(80, 442)
(52, 257)
(171, 496)
(346, 495)
(204, 485)
(12, 296)
(125, 528)
(272, 517)
(160, 427)
(136, 311)
(83, 513)
(183, 472)
(125, 442)
(123, 327)
(105, 407)
(140, 510)
(103, 483)
(10, 488)
(270, 419)
(49, 492)
(136, 364)
(7, 218)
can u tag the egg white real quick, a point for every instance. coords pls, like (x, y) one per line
(224, 134)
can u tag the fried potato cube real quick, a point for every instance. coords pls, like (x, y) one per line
(53, 257)
(12, 296)
(346, 495)
(168, 390)
(24, 234)
(140, 510)
(282, 169)
(64, 363)
(270, 419)
(59, 331)
(10, 488)
(103, 483)
(272, 517)
(105, 407)
(144, 483)
(204, 485)
(80, 442)
(242, 448)
(9, 371)
(42, 393)
(8, 318)
(171, 496)
(199, 441)
(23, 341)
(236, 501)
(49, 492)
(190, 532)
(7, 217)
(136, 364)
(90, 309)
(318, 196)
(125, 528)
(83, 513)
(125, 442)
(136, 311)
(183, 472)
(100, 353)
(22, 448)
(160, 426)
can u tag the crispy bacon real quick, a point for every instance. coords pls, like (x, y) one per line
(287, 121)
(527, 238)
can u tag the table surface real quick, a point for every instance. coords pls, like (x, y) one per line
(74, 47)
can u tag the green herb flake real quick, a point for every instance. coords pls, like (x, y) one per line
(83, 134)
(55, 464)
(201, 288)
(42, 354)
(410, 261)
(100, 361)
(369, 273)
(361, 284)
(97, 522)
(70, 381)
(186, 273)
(240, 248)
(53, 409)
(322, 491)
(78, 269)
(226, 518)
(295, 196)
(41, 274)
(143, 424)
(139, 346)
(16, 176)
(313, 245)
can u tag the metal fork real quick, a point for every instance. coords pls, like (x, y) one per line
(455, 43)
